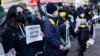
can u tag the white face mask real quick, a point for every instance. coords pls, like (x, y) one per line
(55, 14)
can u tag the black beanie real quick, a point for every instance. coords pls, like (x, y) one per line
(59, 4)
(51, 7)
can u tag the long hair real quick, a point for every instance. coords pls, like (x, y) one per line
(64, 9)
(11, 15)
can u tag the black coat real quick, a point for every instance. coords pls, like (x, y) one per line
(12, 38)
(83, 34)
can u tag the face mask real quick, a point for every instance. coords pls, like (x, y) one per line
(82, 15)
(55, 14)
(84, 8)
(62, 14)
(82, 26)
(89, 13)
(20, 18)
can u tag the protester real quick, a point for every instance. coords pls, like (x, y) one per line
(64, 28)
(83, 36)
(80, 18)
(89, 14)
(53, 46)
(14, 38)
(27, 13)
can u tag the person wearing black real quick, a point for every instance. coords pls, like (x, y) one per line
(89, 14)
(83, 36)
(73, 11)
(14, 37)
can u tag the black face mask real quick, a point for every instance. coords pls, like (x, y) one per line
(20, 18)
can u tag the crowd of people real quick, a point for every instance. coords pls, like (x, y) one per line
(60, 25)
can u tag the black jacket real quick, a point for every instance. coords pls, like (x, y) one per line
(13, 38)
(83, 34)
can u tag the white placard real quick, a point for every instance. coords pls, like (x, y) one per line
(33, 33)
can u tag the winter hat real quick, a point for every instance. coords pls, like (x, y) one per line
(81, 11)
(60, 4)
(51, 7)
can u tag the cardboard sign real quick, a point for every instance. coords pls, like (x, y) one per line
(33, 33)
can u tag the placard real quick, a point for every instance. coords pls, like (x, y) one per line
(33, 33)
